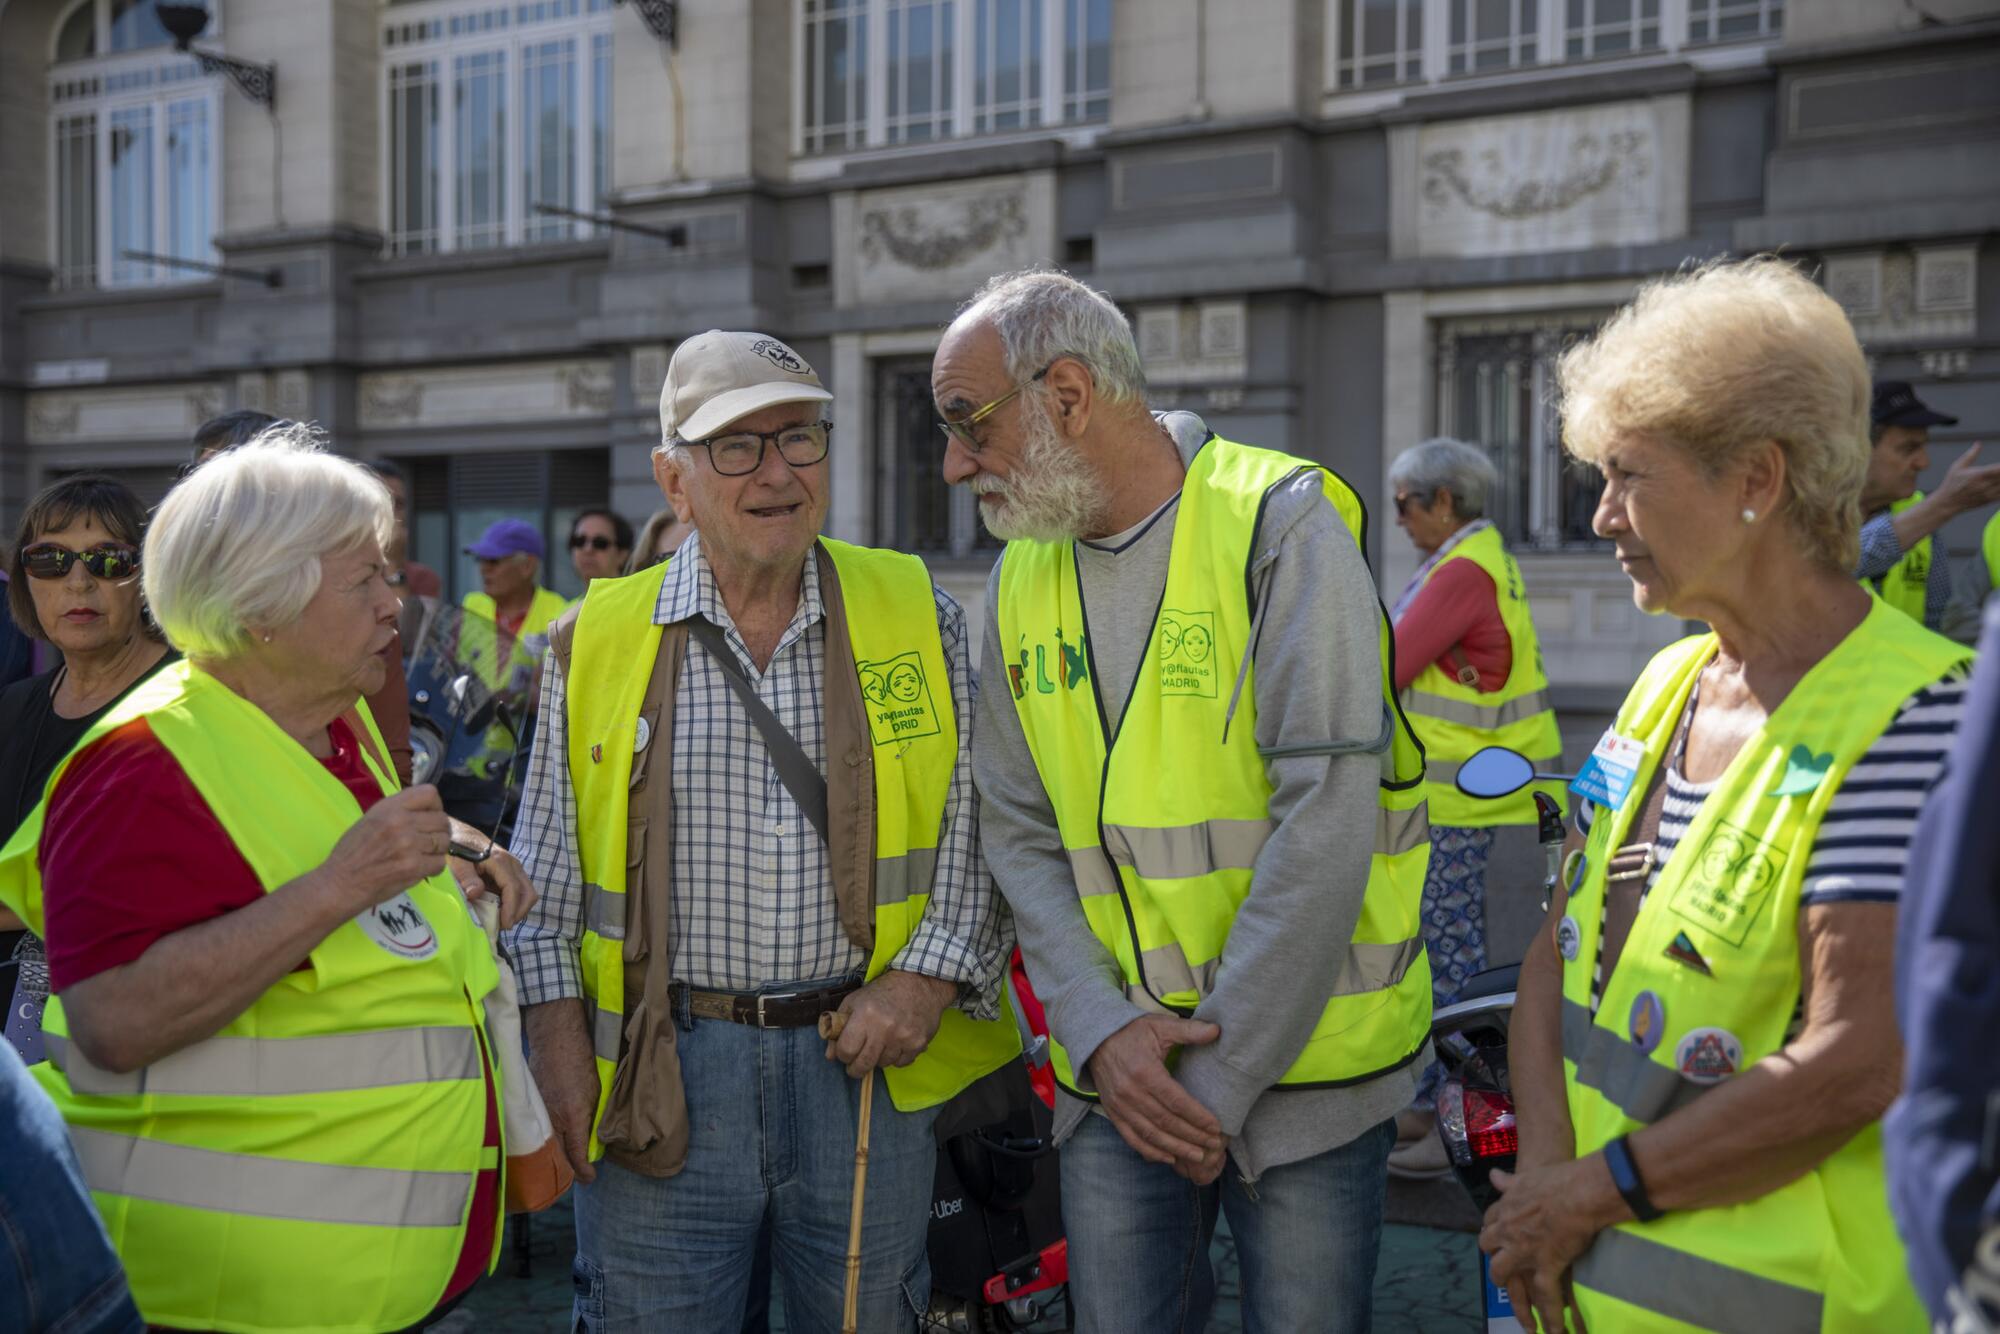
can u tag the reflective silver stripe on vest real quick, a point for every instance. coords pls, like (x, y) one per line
(1489, 717)
(248, 1183)
(1367, 967)
(1673, 1283)
(234, 1067)
(604, 912)
(1093, 873)
(1629, 1080)
(607, 1029)
(899, 878)
(1445, 772)
(1181, 852)
(1401, 831)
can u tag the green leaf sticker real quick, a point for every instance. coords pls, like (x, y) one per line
(1804, 771)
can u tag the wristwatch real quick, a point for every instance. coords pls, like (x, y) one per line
(1625, 1176)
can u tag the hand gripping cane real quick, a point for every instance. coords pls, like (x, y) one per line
(830, 1025)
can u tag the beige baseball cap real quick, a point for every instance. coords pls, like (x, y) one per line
(717, 377)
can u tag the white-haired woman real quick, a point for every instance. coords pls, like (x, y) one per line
(1705, 1037)
(267, 1035)
(1469, 672)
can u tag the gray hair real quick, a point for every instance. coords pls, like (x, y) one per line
(1447, 465)
(675, 450)
(238, 544)
(1041, 315)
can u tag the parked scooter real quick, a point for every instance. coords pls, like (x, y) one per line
(469, 730)
(1475, 1102)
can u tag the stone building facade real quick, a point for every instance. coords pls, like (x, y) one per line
(1339, 226)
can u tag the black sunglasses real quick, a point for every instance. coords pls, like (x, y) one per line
(577, 542)
(106, 560)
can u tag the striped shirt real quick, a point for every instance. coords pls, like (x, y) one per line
(1863, 842)
(752, 900)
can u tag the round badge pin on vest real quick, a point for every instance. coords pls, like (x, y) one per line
(399, 927)
(1573, 868)
(1648, 1021)
(641, 736)
(1568, 938)
(1708, 1055)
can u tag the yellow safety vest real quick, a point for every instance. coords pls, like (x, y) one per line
(1457, 720)
(899, 659)
(311, 1166)
(1820, 1253)
(479, 639)
(1163, 826)
(1989, 546)
(1903, 584)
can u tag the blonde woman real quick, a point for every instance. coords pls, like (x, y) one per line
(1705, 1037)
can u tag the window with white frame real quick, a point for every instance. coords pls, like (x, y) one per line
(1495, 379)
(881, 72)
(133, 153)
(1379, 43)
(491, 110)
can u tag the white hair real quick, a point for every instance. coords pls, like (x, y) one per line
(1042, 314)
(238, 544)
(675, 450)
(1444, 464)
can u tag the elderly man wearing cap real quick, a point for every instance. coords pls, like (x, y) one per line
(1897, 519)
(509, 553)
(751, 804)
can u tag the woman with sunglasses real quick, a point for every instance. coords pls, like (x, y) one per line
(72, 581)
(599, 544)
(268, 1033)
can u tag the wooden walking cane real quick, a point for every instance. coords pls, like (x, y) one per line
(830, 1025)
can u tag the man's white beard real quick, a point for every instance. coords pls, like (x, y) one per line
(1051, 497)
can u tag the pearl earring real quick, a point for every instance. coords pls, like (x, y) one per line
(1749, 516)
(267, 638)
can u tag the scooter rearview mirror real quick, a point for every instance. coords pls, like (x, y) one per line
(1495, 772)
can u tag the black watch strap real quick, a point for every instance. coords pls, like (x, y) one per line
(1625, 1176)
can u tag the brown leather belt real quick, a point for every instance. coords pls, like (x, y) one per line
(769, 1009)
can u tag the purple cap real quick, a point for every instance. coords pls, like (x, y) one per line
(508, 537)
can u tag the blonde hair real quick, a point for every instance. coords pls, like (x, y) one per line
(238, 543)
(1720, 357)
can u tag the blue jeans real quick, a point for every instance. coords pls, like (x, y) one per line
(1306, 1235)
(771, 1141)
(58, 1273)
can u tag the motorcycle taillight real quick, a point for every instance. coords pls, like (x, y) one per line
(1489, 1124)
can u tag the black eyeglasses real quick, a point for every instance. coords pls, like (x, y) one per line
(742, 452)
(116, 561)
(961, 430)
(577, 542)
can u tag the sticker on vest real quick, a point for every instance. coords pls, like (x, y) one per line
(1734, 874)
(1187, 653)
(1708, 1055)
(641, 736)
(1682, 950)
(1568, 938)
(1804, 771)
(899, 699)
(1607, 776)
(1069, 667)
(398, 927)
(1648, 1022)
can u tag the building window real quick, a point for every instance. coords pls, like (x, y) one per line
(918, 510)
(1491, 34)
(881, 72)
(1495, 382)
(1733, 20)
(1379, 43)
(133, 150)
(489, 113)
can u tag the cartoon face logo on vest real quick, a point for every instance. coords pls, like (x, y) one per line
(1185, 646)
(1735, 873)
(1038, 669)
(898, 698)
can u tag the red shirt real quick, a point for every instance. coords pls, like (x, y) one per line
(1458, 608)
(131, 853)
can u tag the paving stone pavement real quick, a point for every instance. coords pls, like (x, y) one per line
(1427, 1281)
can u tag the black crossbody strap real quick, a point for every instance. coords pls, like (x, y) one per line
(795, 768)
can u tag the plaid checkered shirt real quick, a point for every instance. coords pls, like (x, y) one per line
(753, 902)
